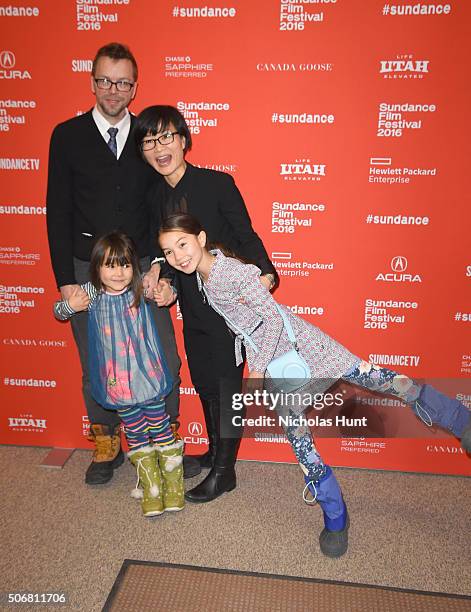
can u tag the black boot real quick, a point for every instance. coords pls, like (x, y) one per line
(222, 478)
(326, 491)
(211, 417)
(191, 466)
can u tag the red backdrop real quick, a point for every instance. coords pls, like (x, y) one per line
(344, 125)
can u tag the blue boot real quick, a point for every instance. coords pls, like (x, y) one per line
(333, 540)
(434, 407)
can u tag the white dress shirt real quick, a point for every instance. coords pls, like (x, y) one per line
(123, 128)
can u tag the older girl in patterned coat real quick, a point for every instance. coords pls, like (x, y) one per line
(234, 290)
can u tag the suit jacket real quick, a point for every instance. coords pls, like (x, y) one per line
(230, 281)
(90, 193)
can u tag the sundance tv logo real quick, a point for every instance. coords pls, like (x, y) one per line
(399, 265)
(7, 65)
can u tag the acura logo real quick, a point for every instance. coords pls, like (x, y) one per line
(195, 429)
(7, 59)
(399, 264)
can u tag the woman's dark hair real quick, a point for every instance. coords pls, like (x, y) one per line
(116, 249)
(155, 119)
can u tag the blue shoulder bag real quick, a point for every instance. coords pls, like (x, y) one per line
(289, 371)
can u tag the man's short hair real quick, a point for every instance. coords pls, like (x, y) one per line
(116, 51)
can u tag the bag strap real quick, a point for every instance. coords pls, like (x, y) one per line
(240, 331)
(287, 324)
(247, 338)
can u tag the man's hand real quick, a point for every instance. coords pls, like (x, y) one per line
(78, 299)
(163, 293)
(150, 280)
(67, 290)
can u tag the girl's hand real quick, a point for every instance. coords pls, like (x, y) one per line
(78, 299)
(163, 293)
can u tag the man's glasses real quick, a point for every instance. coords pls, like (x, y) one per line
(105, 83)
(150, 143)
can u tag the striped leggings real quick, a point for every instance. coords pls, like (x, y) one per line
(144, 424)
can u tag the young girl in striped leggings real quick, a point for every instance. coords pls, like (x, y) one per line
(128, 370)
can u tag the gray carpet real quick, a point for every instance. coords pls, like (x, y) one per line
(57, 534)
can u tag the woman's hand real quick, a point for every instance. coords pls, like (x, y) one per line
(254, 381)
(163, 293)
(255, 374)
(78, 299)
(150, 280)
(268, 281)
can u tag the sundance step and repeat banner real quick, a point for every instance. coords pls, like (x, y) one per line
(345, 125)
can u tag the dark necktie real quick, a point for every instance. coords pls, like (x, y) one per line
(113, 145)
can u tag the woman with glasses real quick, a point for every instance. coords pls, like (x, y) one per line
(212, 197)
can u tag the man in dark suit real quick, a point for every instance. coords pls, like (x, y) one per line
(97, 183)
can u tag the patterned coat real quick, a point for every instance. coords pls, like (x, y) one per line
(230, 281)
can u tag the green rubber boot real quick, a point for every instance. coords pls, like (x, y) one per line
(149, 487)
(171, 467)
